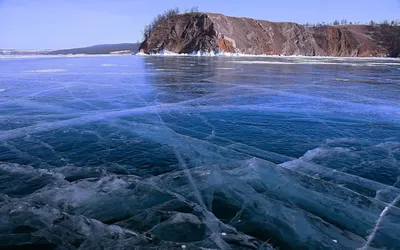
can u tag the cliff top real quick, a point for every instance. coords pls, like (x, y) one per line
(213, 14)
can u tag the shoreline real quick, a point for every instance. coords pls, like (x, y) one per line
(57, 56)
(197, 55)
(212, 54)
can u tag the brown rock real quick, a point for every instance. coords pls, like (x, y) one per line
(226, 46)
(215, 32)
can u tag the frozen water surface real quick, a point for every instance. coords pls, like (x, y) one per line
(199, 153)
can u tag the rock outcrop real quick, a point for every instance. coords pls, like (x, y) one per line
(215, 32)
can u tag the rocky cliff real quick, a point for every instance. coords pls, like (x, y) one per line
(215, 32)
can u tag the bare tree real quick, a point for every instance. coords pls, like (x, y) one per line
(194, 9)
(164, 17)
(157, 20)
(345, 22)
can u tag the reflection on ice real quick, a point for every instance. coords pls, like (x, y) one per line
(200, 153)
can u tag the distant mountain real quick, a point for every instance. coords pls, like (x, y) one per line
(191, 32)
(122, 48)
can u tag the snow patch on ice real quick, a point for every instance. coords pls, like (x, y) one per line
(167, 52)
(342, 80)
(108, 65)
(389, 64)
(305, 62)
(160, 53)
(46, 71)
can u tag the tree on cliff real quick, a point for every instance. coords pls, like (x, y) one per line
(163, 17)
(192, 10)
(157, 20)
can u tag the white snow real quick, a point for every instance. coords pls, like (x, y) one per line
(221, 53)
(121, 52)
(305, 61)
(194, 53)
(342, 80)
(141, 54)
(108, 65)
(46, 71)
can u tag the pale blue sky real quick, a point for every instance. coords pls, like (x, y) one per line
(41, 24)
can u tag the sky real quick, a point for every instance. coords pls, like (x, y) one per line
(56, 24)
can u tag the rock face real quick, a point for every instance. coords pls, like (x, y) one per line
(215, 32)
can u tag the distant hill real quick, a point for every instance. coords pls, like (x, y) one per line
(122, 48)
(22, 52)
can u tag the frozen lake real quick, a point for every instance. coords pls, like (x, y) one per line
(199, 153)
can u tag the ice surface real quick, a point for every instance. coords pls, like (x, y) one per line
(319, 62)
(200, 153)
